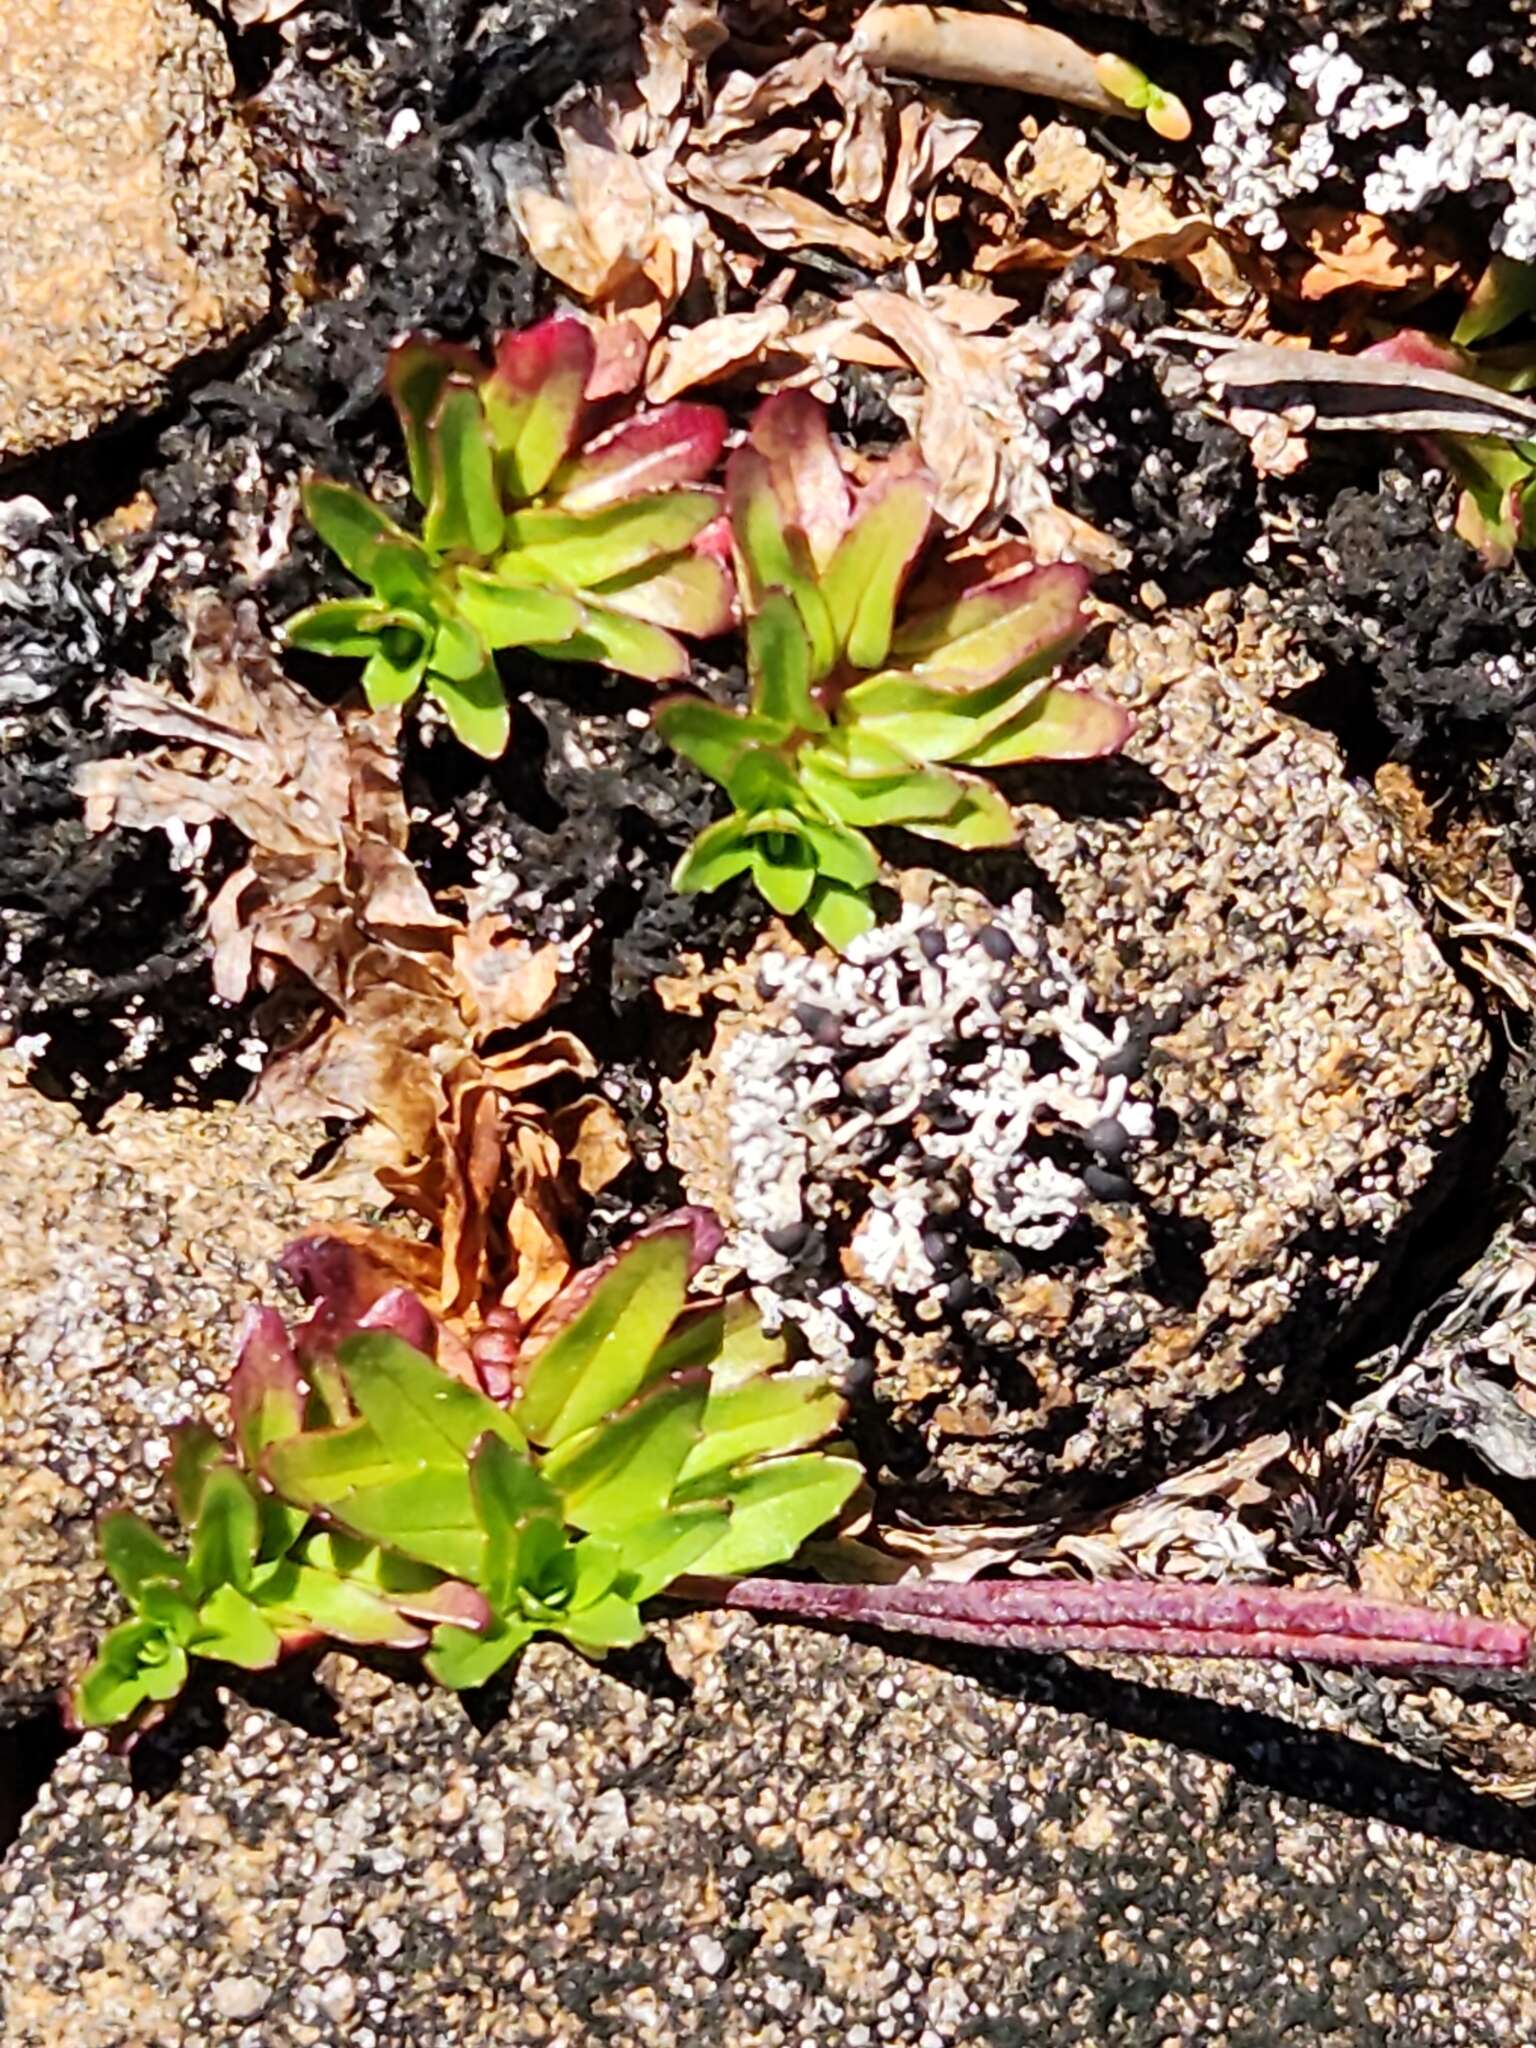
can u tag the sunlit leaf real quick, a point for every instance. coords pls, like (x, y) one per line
(691, 593)
(873, 800)
(582, 549)
(678, 444)
(462, 1658)
(136, 1664)
(1024, 622)
(346, 627)
(195, 1450)
(418, 370)
(232, 1629)
(839, 915)
(389, 679)
(783, 869)
(865, 576)
(534, 399)
(775, 555)
(623, 1470)
(981, 818)
(135, 1555)
(762, 1418)
(513, 615)
(464, 511)
(1057, 725)
(225, 1540)
(655, 1553)
(476, 709)
(602, 1357)
(351, 525)
(266, 1390)
(789, 429)
(779, 663)
(632, 646)
(303, 1597)
(840, 855)
(720, 853)
(416, 1411)
(774, 1508)
(711, 737)
(611, 1623)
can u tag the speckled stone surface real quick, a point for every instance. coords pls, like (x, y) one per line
(818, 1843)
(1311, 1062)
(127, 1258)
(131, 241)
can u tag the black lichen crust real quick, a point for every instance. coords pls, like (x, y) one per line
(386, 152)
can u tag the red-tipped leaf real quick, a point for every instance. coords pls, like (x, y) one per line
(535, 399)
(679, 444)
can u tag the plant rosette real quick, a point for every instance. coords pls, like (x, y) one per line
(370, 1496)
(869, 706)
(537, 533)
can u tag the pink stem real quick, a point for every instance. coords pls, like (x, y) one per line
(1165, 1617)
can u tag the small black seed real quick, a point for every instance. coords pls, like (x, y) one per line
(819, 1025)
(994, 941)
(960, 1293)
(877, 1100)
(932, 943)
(1108, 1137)
(788, 1240)
(1109, 1187)
(945, 1117)
(937, 1247)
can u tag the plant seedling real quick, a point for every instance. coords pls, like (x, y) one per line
(535, 532)
(863, 712)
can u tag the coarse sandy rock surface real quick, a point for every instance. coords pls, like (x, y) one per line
(128, 1256)
(132, 241)
(810, 1840)
(1287, 1063)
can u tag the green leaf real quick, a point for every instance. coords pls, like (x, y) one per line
(790, 429)
(534, 399)
(464, 510)
(320, 1466)
(225, 1539)
(512, 615)
(230, 1628)
(774, 554)
(136, 1663)
(981, 818)
(299, 1598)
(839, 915)
(931, 722)
(655, 1553)
(784, 869)
(508, 1491)
(688, 593)
(728, 1337)
(389, 679)
(623, 1470)
(458, 652)
(759, 1419)
(611, 1623)
(774, 1508)
(419, 1414)
(135, 1555)
(195, 1449)
(418, 371)
(582, 549)
(1057, 725)
(346, 627)
(720, 853)
(266, 1390)
(863, 580)
(168, 1607)
(708, 735)
(779, 663)
(476, 710)
(603, 1356)
(841, 855)
(427, 1514)
(873, 800)
(351, 525)
(462, 1658)
(676, 444)
(632, 646)
(1016, 627)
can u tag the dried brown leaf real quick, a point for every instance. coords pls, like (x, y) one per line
(689, 356)
(1353, 250)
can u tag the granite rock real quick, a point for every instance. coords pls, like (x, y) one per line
(132, 240)
(1222, 917)
(811, 1840)
(127, 1258)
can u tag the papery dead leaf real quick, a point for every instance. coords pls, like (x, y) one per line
(689, 356)
(783, 219)
(1354, 250)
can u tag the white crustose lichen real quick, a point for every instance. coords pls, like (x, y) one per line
(906, 1089)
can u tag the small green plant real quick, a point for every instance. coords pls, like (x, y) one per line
(370, 1497)
(858, 717)
(1163, 111)
(533, 536)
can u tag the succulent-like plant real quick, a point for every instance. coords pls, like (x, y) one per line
(534, 535)
(377, 1495)
(861, 712)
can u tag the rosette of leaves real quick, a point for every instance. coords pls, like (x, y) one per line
(868, 706)
(536, 533)
(372, 1495)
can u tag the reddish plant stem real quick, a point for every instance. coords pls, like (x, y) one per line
(1161, 1617)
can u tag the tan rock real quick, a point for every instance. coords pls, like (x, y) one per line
(128, 237)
